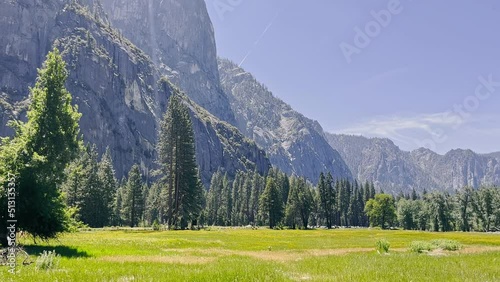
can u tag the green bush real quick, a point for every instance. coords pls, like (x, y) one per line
(156, 226)
(421, 246)
(447, 245)
(426, 246)
(73, 224)
(47, 261)
(382, 246)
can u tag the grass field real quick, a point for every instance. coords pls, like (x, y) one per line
(262, 255)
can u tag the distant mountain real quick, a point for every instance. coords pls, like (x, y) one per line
(393, 170)
(458, 168)
(293, 143)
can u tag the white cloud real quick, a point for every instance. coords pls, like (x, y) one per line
(411, 132)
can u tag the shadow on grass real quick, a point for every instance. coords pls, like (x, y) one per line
(64, 251)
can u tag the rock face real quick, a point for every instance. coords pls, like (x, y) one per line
(394, 170)
(294, 143)
(179, 37)
(459, 168)
(116, 86)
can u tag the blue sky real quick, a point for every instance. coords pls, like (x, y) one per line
(423, 73)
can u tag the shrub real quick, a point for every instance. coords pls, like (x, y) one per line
(447, 245)
(382, 246)
(156, 226)
(421, 246)
(73, 224)
(47, 261)
(425, 246)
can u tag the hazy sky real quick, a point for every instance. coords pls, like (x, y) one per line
(423, 73)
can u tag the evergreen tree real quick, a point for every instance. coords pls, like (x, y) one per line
(109, 184)
(153, 210)
(90, 187)
(284, 185)
(366, 192)
(258, 184)
(39, 153)
(118, 217)
(356, 206)
(214, 210)
(176, 150)
(326, 198)
(93, 208)
(344, 195)
(227, 201)
(291, 208)
(271, 206)
(246, 192)
(73, 183)
(414, 195)
(464, 200)
(352, 216)
(300, 203)
(236, 199)
(133, 199)
(372, 191)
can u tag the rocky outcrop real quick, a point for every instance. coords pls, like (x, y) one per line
(116, 86)
(179, 37)
(294, 143)
(393, 170)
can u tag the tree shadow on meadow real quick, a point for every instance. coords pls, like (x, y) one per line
(64, 251)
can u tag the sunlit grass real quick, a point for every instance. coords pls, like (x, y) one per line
(261, 255)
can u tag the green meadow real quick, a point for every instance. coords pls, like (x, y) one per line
(260, 255)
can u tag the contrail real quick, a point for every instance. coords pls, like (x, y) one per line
(259, 39)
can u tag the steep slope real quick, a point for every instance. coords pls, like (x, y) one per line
(294, 143)
(394, 170)
(179, 37)
(116, 86)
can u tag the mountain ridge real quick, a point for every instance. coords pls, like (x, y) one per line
(381, 161)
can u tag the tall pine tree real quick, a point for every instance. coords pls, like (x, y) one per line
(271, 205)
(133, 198)
(108, 189)
(176, 150)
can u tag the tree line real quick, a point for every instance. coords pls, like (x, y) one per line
(466, 210)
(279, 201)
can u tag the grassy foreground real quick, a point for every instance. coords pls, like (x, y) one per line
(261, 255)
